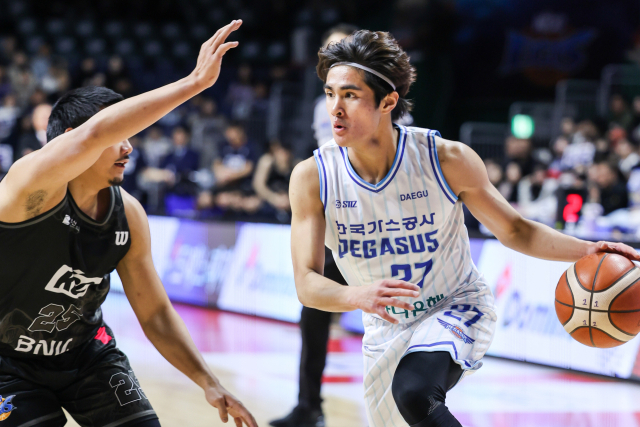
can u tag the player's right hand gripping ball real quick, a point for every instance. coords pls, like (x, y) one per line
(598, 300)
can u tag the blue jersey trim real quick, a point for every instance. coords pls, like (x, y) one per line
(376, 188)
(438, 172)
(455, 351)
(322, 176)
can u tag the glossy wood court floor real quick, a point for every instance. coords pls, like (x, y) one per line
(257, 360)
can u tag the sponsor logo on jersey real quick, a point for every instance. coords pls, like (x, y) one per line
(72, 223)
(416, 195)
(102, 336)
(6, 407)
(457, 332)
(48, 348)
(122, 237)
(70, 282)
(346, 204)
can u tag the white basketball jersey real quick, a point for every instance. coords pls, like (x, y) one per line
(409, 226)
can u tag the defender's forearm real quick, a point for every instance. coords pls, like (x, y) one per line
(168, 333)
(541, 241)
(316, 291)
(130, 116)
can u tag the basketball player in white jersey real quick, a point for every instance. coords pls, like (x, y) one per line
(387, 200)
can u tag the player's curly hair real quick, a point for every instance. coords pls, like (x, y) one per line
(377, 50)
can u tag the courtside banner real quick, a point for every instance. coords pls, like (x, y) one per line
(241, 267)
(528, 328)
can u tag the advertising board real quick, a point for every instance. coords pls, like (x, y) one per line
(246, 268)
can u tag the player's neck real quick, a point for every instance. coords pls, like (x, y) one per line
(93, 200)
(373, 158)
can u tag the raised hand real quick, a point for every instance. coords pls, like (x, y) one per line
(376, 297)
(227, 404)
(618, 248)
(207, 69)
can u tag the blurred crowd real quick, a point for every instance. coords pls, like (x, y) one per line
(203, 161)
(599, 160)
(197, 161)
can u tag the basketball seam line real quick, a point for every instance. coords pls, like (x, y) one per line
(609, 315)
(631, 270)
(593, 285)
(598, 310)
(622, 291)
(604, 332)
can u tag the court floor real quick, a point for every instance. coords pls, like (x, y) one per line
(257, 360)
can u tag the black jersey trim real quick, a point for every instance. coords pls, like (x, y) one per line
(90, 220)
(35, 219)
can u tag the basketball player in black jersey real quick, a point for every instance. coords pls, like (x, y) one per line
(64, 226)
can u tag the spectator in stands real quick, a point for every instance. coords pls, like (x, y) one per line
(207, 131)
(494, 171)
(627, 156)
(634, 129)
(607, 188)
(22, 81)
(557, 149)
(518, 151)
(9, 113)
(536, 195)
(271, 179)
(155, 146)
(180, 163)
(8, 47)
(240, 95)
(5, 86)
(87, 72)
(567, 128)
(232, 171)
(56, 80)
(509, 187)
(580, 152)
(134, 169)
(36, 137)
(41, 63)
(619, 113)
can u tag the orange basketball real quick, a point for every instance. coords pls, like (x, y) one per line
(598, 300)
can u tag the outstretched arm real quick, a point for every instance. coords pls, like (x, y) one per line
(49, 169)
(491, 209)
(160, 322)
(307, 252)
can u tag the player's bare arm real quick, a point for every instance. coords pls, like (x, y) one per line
(161, 323)
(307, 251)
(523, 235)
(41, 178)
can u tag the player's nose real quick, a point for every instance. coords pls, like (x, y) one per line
(127, 148)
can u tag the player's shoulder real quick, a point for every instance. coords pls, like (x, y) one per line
(133, 209)
(450, 152)
(305, 172)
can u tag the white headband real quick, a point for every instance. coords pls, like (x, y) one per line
(362, 67)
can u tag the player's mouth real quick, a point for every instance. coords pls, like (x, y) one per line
(121, 164)
(339, 129)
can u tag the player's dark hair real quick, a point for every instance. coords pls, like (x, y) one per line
(379, 51)
(77, 106)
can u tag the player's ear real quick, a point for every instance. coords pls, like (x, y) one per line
(389, 102)
(67, 130)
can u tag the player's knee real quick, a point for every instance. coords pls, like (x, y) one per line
(410, 396)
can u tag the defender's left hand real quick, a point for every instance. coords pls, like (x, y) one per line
(227, 404)
(618, 248)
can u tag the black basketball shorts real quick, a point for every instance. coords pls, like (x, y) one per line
(94, 383)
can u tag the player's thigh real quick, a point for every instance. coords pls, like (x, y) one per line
(23, 404)
(107, 393)
(462, 328)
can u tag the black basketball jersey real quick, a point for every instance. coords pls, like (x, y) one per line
(54, 275)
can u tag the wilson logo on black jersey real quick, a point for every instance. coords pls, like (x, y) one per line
(121, 238)
(71, 282)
